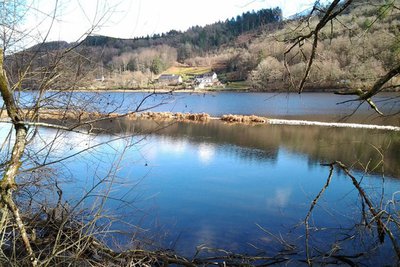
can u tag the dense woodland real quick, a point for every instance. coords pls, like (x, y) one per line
(360, 46)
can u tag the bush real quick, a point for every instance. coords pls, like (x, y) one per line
(270, 70)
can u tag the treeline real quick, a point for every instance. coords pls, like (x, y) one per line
(134, 62)
(196, 40)
(359, 47)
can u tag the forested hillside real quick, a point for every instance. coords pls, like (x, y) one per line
(196, 40)
(358, 47)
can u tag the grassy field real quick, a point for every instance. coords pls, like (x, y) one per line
(239, 85)
(187, 72)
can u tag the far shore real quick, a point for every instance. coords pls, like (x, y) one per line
(198, 91)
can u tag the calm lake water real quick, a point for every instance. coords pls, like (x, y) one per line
(316, 106)
(217, 184)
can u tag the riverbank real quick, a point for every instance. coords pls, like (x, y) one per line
(199, 91)
(232, 89)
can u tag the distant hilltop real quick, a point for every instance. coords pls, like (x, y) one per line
(202, 39)
(245, 52)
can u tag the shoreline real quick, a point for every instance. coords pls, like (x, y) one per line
(188, 90)
(314, 89)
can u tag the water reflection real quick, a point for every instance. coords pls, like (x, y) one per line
(206, 153)
(214, 183)
(280, 198)
(363, 149)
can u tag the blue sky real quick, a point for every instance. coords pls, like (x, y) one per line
(132, 18)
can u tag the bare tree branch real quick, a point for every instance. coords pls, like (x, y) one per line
(7, 183)
(329, 15)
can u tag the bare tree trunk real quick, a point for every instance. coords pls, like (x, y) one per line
(7, 183)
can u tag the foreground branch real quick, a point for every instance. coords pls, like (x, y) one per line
(329, 15)
(7, 183)
(382, 228)
(306, 220)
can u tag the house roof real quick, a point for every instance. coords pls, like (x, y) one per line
(169, 77)
(206, 75)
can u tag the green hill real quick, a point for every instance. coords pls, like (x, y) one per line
(359, 46)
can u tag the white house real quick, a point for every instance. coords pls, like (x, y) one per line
(100, 79)
(206, 79)
(170, 79)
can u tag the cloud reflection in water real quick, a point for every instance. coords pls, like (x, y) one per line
(206, 153)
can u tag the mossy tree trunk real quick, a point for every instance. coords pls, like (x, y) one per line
(7, 183)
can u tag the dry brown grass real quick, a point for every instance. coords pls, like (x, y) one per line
(243, 119)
